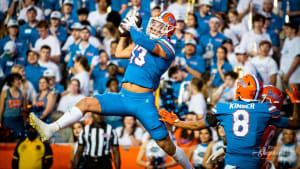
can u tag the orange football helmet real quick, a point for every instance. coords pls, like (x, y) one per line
(273, 95)
(161, 25)
(249, 88)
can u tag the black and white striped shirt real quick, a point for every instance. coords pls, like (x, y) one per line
(97, 141)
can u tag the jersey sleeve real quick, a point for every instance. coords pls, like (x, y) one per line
(275, 113)
(211, 119)
(281, 122)
(167, 46)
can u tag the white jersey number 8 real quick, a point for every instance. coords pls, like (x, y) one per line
(140, 58)
(241, 123)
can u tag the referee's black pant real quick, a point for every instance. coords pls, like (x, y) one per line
(103, 162)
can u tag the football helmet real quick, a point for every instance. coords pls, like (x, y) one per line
(161, 25)
(249, 88)
(273, 95)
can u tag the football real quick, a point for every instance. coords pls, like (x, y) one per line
(124, 32)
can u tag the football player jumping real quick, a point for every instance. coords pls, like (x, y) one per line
(150, 56)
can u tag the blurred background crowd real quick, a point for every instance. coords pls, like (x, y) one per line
(55, 52)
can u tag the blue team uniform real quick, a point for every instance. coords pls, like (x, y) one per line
(217, 80)
(144, 69)
(203, 27)
(244, 124)
(121, 62)
(28, 34)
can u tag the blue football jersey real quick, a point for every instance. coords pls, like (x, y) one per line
(145, 68)
(244, 124)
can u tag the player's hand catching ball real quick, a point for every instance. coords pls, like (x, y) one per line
(167, 116)
(127, 23)
(295, 96)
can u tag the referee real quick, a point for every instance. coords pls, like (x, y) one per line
(96, 142)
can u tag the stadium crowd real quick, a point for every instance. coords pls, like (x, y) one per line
(54, 53)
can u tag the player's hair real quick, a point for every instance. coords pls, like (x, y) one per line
(83, 61)
(257, 17)
(110, 81)
(43, 24)
(173, 70)
(232, 74)
(133, 127)
(83, 11)
(197, 82)
(46, 47)
(263, 42)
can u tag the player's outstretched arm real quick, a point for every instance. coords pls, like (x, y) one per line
(123, 51)
(172, 119)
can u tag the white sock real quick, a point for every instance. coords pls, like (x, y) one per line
(181, 159)
(68, 118)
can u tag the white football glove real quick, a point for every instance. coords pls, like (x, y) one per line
(215, 155)
(129, 22)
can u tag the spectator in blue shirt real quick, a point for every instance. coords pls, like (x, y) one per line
(294, 12)
(194, 64)
(219, 69)
(28, 31)
(84, 48)
(49, 6)
(220, 5)
(54, 87)
(33, 71)
(21, 46)
(83, 14)
(272, 33)
(276, 21)
(119, 5)
(203, 16)
(88, 4)
(141, 10)
(209, 42)
(179, 76)
(9, 58)
(178, 37)
(68, 18)
(100, 74)
(56, 29)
